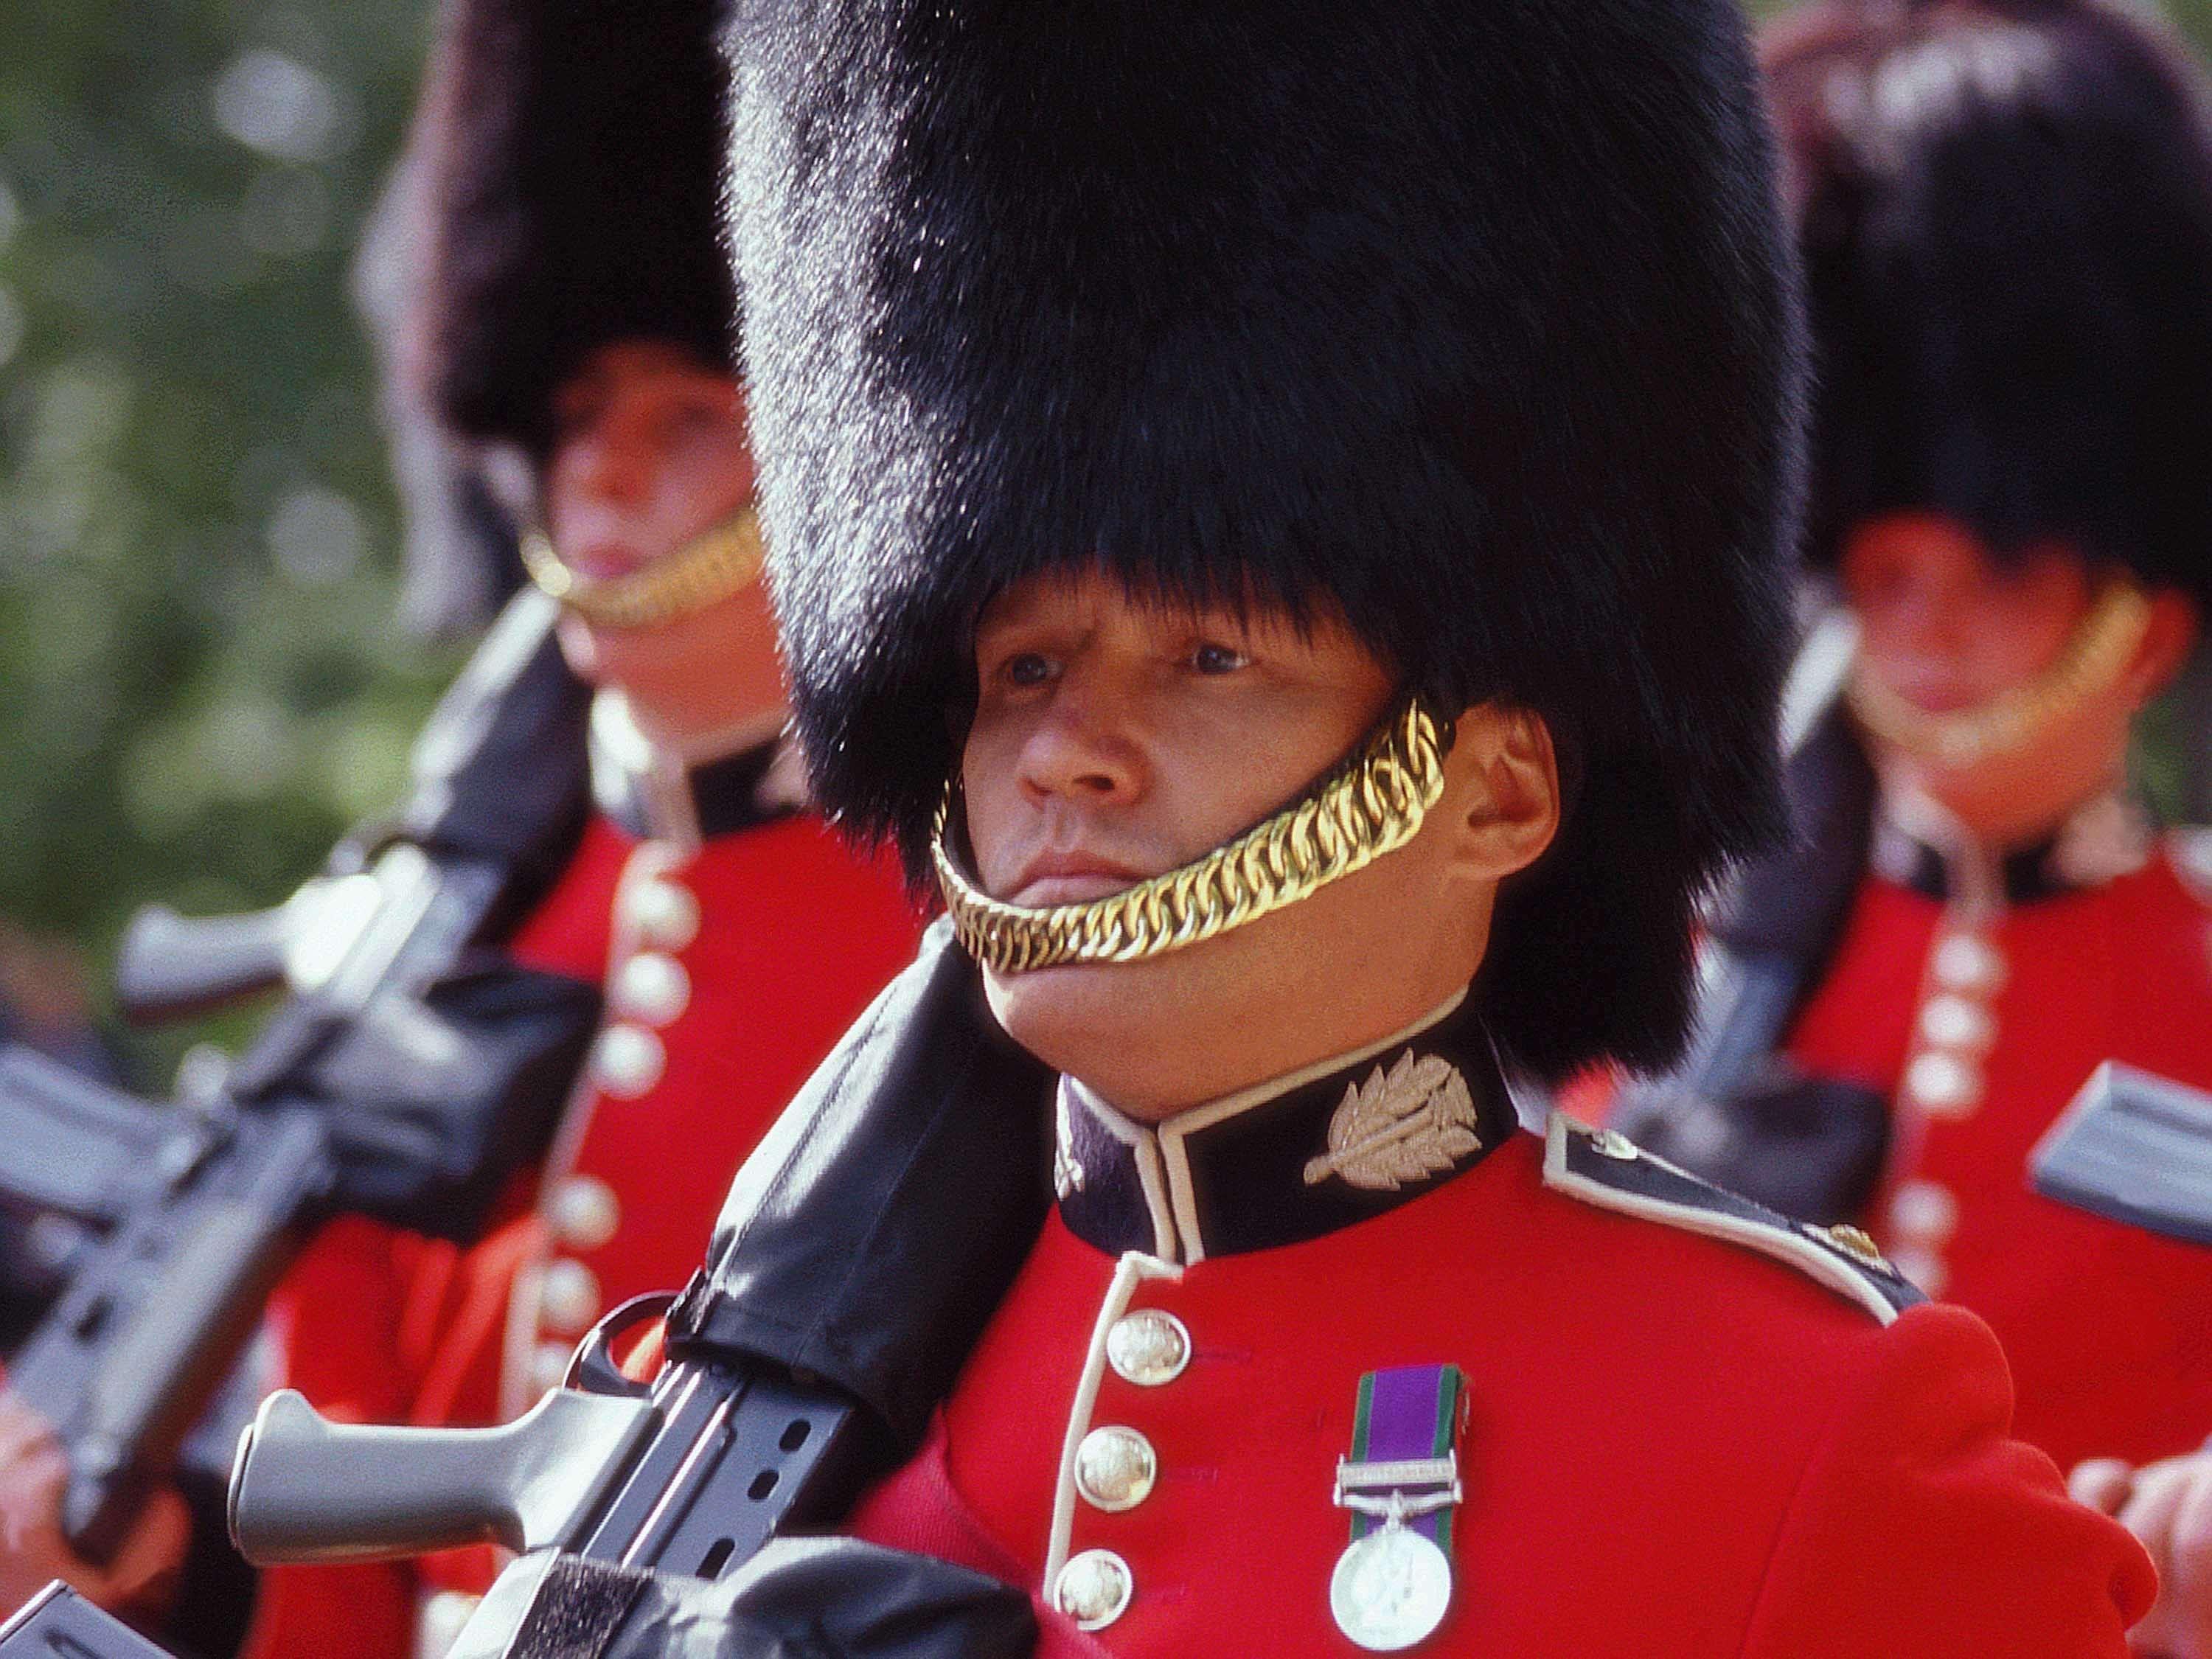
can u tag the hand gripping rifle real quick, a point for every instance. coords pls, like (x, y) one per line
(862, 1249)
(410, 1073)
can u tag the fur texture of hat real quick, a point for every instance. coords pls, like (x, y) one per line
(1474, 322)
(2005, 211)
(573, 158)
(560, 190)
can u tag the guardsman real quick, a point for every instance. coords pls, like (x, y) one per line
(571, 331)
(1279, 509)
(575, 330)
(2006, 218)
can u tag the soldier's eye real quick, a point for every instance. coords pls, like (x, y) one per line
(1211, 658)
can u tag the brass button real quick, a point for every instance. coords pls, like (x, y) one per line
(1611, 1143)
(1956, 1022)
(568, 1297)
(626, 1060)
(1094, 1588)
(438, 1625)
(1965, 961)
(1922, 1212)
(1943, 1084)
(583, 1212)
(1115, 1468)
(651, 988)
(665, 913)
(1148, 1347)
(549, 1367)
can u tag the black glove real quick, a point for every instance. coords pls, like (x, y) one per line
(800, 1598)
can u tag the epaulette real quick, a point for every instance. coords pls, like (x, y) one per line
(1603, 1167)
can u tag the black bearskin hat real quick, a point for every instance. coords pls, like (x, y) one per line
(560, 190)
(2005, 212)
(1473, 321)
(459, 551)
(574, 189)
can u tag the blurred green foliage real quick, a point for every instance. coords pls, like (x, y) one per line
(201, 682)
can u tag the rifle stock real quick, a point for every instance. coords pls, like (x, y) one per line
(169, 966)
(410, 1073)
(305, 1489)
(59, 1624)
(690, 1474)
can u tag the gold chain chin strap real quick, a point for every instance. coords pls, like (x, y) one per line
(1370, 804)
(704, 571)
(2093, 660)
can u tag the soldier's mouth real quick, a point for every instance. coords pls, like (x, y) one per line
(1069, 879)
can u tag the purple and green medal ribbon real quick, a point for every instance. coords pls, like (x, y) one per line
(1407, 1413)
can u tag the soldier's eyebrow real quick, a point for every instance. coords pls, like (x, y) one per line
(1023, 604)
(582, 392)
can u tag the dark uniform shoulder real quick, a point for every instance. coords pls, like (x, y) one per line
(1607, 1169)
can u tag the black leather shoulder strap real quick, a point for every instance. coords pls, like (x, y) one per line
(873, 1232)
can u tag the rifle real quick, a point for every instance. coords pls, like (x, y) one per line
(690, 1473)
(2133, 1147)
(497, 784)
(864, 1246)
(59, 1624)
(410, 1073)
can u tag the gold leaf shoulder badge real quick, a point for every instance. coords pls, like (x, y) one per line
(1415, 1122)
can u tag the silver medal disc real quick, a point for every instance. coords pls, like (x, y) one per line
(1390, 1590)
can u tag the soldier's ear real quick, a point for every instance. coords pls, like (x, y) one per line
(2175, 622)
(1502, 788)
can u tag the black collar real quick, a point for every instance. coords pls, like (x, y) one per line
(1290, 1161)
(654, 795)
(2099, 842)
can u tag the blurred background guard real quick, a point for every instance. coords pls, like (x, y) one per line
(562, 324)
(45, 1004)
(566, 320)
(2005, 215)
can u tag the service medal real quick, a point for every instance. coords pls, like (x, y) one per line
(1393, 1584)
(1390, 1590)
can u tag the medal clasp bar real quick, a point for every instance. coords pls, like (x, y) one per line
(1398, 1488)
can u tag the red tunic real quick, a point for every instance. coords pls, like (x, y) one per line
(1675, 1448)
(2108, 1328)
(758, 951)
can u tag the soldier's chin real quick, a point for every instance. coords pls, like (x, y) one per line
(1101, 1022)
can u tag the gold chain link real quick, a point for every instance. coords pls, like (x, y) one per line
(704, 571)
(1371, 804)
(2093, 662)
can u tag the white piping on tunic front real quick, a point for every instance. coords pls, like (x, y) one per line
(649, 861)
(1132, 1270)
(659, 771)
(1145, 1144)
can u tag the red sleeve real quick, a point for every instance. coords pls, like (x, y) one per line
(337, 1317)
(1921, 1531)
